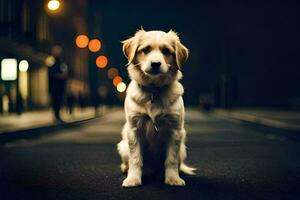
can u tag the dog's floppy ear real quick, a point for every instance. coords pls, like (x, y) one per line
(130, 46)
(181, 52)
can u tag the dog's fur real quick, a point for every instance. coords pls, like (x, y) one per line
(154, 129)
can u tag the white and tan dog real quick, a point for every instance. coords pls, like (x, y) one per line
(154, 129)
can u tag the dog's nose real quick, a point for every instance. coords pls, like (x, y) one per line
(155, 66)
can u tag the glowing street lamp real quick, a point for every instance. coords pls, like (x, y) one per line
(53, 5)
(23, 65)
(112, 72)
(82, 41)
(94, 45)
(101, 61)
(50, 60)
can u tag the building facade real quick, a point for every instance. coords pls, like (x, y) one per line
(27, 34)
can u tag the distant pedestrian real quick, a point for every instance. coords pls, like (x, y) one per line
(70, 103)
(58, 74)
(81, 100)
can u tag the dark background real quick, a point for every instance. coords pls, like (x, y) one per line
(242, 53)
(254, 45)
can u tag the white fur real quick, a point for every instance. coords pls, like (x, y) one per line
(139, 102)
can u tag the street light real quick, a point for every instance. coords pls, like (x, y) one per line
(53, 5)
(82, 41)
(101, 61)
(117, 80)
(94, 45)
(112, 72)
(23, 81)
(49, 61)
(23, 65)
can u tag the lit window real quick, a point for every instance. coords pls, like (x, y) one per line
(9, 69)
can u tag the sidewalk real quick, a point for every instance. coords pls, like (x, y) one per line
(42, 118)
(269, 117)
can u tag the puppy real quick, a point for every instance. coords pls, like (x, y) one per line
(154, 129)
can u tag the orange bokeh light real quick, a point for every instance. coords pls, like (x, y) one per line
(82, 41)
(94, 45)
(112, 72)
(101, 61)
(117, 80)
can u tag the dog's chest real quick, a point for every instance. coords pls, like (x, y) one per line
(154, 135)
(155, 105)
(153, 109)
(155, 130)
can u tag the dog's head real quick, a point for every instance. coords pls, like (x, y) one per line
(155, 57)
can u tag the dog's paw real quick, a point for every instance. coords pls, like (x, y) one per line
(174, 181)
(132, 182)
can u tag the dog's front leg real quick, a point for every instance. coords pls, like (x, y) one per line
(172, 160)
(134, 176)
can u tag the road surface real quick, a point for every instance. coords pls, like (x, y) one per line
(233, 162)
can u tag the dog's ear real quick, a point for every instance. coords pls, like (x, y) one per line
(181, 52)
(130, 46)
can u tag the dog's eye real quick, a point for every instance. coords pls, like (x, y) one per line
(166, 51)
(146, 50)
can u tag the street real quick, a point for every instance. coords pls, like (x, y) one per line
(232, 161)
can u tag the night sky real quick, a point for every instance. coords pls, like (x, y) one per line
(254, 43)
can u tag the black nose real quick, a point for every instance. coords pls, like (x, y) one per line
(155, 65)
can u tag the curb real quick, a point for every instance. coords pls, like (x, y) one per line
(261, 123)
(30, 133)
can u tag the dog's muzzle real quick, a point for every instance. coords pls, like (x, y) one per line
(154, 68)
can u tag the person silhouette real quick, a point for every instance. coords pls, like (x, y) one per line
(58, 74)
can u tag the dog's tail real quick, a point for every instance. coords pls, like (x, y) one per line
(186, 169)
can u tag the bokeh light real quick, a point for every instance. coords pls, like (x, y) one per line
(101, 61)
(94, 45)
(121, 87)
(82, 41)
(50, 60)
(53, 4)
(9, 69)
(23, 65)
(112, 72)
(117, 80)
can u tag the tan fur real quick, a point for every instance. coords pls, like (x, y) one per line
(154, 106)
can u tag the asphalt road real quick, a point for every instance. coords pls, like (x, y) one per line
(233, 161)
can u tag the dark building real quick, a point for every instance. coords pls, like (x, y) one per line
(28, 31)
(24, 35)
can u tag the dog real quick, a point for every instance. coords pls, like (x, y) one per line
(154, 108)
